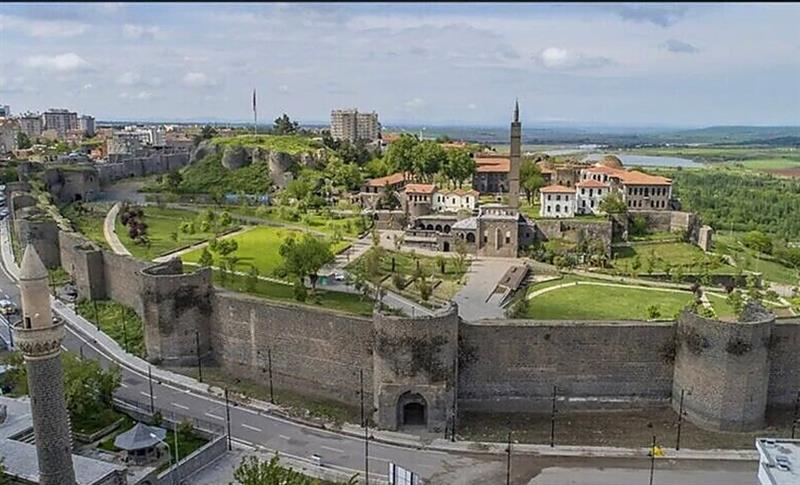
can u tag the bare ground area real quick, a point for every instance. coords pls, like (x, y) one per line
(785, 172)
(614, 428)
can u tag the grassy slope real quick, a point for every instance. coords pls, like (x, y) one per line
(589, 302)
(89, 223)
(313, 221)
(160, 224)
(291, 144)
(114, 318)
(725, 243)
(676, 253)
(208, 175)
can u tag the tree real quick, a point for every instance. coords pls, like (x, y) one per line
(23, 140)
(429, 158)
(460, 260)
(283, 125)
(613, 204)
(172, 180)
(205, 260)
(639, 226)
(653, 312)
(225, 219)
(305, 256)
(206, 133)
(459, 166)
(424, 287)
(254, 471)
(531, 179)
(759, 241)
(400, 154)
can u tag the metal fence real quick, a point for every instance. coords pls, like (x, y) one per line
(141, 410)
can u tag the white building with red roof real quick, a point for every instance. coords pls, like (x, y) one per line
(557, 201)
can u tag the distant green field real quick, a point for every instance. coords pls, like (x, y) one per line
(771, 163)
(595, 302)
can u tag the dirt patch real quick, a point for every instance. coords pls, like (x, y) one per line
(613, 428)
(785, 172)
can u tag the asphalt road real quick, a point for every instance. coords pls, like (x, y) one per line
(347, 453)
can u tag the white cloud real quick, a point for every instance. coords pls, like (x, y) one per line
(472, 106)
(140, 96)
(61, 63)
(133, 31)
(414, 103)
(558, 58)
(198, 80)
(680, 47)
(131, 78)
(42, 28)
(87, 86)
(283, 88)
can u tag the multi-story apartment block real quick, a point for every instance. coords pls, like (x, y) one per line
(60, 121)
(31, 125)
(86, 125)
(350, 125)
(5, 111)
(9, 128)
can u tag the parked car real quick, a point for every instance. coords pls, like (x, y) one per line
(8, 307)
(4, 212)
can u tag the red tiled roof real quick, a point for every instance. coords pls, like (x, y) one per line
(592, 184)
(460, 192)
(557, 189)
(635, 177)
(492, 164)
(420, 188)
(393, 179)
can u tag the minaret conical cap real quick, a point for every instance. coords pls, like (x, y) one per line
(516, 110)
(32, 267)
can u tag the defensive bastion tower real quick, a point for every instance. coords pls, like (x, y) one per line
(39, 338)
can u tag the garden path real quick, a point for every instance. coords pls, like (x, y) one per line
(110, 231)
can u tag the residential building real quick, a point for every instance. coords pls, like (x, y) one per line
(778, 461)
(123, 144)
(9, 128)
(589, 194)
(60, 120)
(455, 200)
(350, 125)
(31, 125)
(5, 111)
(86, 125)
(419, 199)
(491, 174)
(557, 201)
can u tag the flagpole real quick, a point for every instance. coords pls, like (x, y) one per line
(255, 114)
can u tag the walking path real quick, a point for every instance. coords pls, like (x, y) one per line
(110, 231)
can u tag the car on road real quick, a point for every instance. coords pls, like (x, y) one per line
(7, 307)
(339, 276)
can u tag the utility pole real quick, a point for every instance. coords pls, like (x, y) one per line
(796, 419)
(199, 361)
(508, 459)
(228, 419)
(150, 382)
(177, 454)
(96, 315)
(124, 334)
(455, 398)
(680, 422)
(366, 452)
(269, 361)
(553, 420)
(361, 394)
(652, 459)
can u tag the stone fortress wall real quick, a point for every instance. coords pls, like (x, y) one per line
(502, 365)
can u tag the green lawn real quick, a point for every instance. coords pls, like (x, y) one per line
(750, 260)
(333, 300)
(87, 218)
(594, 302)
(721, 306)
(771, 163)
(259, 247)
(93, 422)
(291, 144)
(328, 224)
(161, 224)
(117, 321)
(688, 256)
(406, 263)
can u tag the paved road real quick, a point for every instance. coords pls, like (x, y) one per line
(110, 231)
(343, 452)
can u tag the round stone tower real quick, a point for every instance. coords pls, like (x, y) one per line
(39, 338)
(723, 369)
(415, 369)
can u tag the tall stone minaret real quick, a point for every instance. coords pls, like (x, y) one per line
(39, 339)
(515, 159)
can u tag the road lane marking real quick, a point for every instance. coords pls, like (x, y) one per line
(252, 428)
(123, 385)
(284, 436)
(181, 406)
(376, 458)
(215, 416)
(335, 450)
(147, 394)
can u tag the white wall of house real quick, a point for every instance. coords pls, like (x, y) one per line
(588, 199)
(450, 201)
(557, 205)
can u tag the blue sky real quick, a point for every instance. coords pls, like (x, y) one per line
(612, 64)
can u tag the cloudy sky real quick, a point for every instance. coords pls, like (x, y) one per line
(615, 64)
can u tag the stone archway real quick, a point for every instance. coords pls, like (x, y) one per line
(412, 410)
(438, 228)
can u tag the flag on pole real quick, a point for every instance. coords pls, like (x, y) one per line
(254, 100)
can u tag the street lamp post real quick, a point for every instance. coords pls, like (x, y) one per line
(173, 460)
(150, 382)
(228, 419)
(553, 420)
(796, 419)
(199, 361)
(680, 422)
(269, 362)
(652, 459)
(508, 459)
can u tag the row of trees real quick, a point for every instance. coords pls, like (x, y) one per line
(422, 159)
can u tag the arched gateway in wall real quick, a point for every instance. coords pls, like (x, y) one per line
(412, 410)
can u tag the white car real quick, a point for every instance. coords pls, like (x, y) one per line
(8, 307)
(339, 276)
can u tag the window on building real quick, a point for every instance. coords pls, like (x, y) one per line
(558, 197)
(592, 203)
(583, 191)
(558, 207)
(548, 208)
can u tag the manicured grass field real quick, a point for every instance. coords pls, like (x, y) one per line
(161, 223)
(259, 247)
(686, 255)
(347, 226)
(595, 302)
(333, 300)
